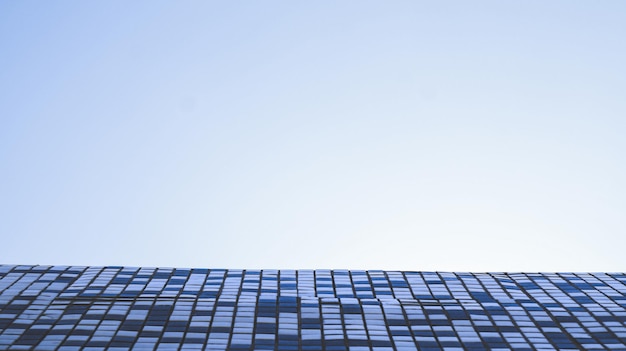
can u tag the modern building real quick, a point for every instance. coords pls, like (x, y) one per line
(124, 308)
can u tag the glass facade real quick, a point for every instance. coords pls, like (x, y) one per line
(124, 308)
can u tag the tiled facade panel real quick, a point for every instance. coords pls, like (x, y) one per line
(120, 308)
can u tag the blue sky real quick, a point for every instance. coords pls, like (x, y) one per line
(482, 136)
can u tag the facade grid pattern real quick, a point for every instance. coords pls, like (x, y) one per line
(130, 308)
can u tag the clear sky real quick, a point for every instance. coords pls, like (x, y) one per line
(439, 135)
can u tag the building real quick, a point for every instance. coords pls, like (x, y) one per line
(122, 308)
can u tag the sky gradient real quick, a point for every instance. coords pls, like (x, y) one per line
(482, 136)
